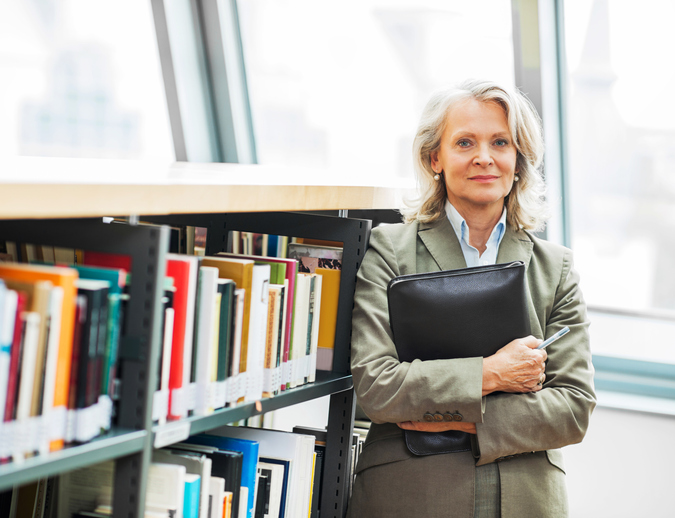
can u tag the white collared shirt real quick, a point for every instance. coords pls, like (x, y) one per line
(471, 255)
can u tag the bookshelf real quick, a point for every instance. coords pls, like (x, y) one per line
(60, 202)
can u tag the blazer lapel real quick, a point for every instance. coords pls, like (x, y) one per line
(441, 241)
(515, 246)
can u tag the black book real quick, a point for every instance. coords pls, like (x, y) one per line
(93, 322)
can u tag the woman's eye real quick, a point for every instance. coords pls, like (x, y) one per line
(463, 143)
(501, 142)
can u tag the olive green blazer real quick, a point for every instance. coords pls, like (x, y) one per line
(522, 432)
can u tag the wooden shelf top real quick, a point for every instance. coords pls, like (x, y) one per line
(36, 187)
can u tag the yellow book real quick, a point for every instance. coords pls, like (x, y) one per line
(330, 294)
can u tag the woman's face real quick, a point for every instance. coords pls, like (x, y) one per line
(476, 155)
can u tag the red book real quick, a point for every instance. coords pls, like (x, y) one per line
(107, 260)
(14, 359)
(179, 269)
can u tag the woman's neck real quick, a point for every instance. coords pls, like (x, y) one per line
(481, 220)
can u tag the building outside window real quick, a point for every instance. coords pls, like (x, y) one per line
(81, 79)
(621, 134)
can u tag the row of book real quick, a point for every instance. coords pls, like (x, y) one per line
(59, 337)
(231, 472)
(234, 328)
(243, 327)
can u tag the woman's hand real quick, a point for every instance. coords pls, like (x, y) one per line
(442, 426)
(516, 367)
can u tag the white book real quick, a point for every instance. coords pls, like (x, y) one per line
(234, 392)
(8, 304)
(276, 474)
(52, 356)
(314, 336)
(216, 496)
(286, 445)
(208, 289)
(169, 314)
(300, 318)
(194, 463)
(165, 488)
(255, 354)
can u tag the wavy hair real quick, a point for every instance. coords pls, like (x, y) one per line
(526, 205)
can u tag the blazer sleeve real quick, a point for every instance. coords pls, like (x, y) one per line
(557, 415)
(393, 391)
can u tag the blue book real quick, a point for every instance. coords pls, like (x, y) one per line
(191, 497)
(249, 470)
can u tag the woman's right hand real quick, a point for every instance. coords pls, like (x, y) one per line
(517, 367)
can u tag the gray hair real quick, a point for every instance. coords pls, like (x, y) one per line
(526, 205)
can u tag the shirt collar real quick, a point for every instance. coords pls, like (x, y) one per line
(462, 229)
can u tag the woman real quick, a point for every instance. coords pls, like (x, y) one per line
(478, 150)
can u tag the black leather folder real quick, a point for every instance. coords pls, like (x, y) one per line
(461, 313)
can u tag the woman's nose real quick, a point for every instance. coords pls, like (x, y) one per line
(483, 157)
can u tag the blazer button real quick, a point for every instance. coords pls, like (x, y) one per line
(448, 416)
(457, 417)
(428, 417)
(438, 417)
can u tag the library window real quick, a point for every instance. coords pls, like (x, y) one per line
(621, 134)
(340, 86)
(81, 79)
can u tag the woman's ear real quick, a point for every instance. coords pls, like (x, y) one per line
(434, 161)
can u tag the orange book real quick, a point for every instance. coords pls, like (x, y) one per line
(241, 272)
(227, 505)
(64, 277)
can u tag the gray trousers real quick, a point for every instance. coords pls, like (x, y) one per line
(487, 493)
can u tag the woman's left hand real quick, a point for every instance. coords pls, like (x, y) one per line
(442, 426)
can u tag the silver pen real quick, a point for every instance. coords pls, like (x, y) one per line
(553, 338)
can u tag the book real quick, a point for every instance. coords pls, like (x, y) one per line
(310, 257)
(262, 497)
(92, 340)
(192, 486)
(226, 288)
(237, 386)
(15, 359)
(330, 295)
(31, 333)
(320, 438)
(64, 277)
(184, 271)
(301, 321)
(249, 449)
(313, 328)
(165, 491)
(216, 497)
(8, 309)
(272, 339)
(278, 477)
(204, 338)
(51, 358)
